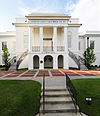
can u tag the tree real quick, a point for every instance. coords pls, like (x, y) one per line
(89, 57)
(6, 58)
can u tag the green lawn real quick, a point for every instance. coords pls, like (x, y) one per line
(19, 98)
(88, 88)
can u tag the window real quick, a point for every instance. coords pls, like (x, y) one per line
(69, 41)
(91, 44)
(25, 41)
(79, 45)
(87, 41)
(4, 44)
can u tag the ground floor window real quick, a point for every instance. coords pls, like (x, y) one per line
(36, 61)
(60, 61)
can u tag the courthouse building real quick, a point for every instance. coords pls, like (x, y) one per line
(48, 40)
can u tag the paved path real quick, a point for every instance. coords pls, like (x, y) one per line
(53, 77)
(49, 73)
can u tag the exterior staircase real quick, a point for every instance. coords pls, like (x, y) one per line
(22, 57)
(78, 60)
(13, 64)
(57, 103)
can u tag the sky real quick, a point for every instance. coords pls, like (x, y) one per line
(88, 11)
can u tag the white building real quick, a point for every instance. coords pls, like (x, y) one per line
(44, 40)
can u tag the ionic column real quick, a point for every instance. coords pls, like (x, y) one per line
(55, 39)
(30, 39)
(65, 39)
(41, 39)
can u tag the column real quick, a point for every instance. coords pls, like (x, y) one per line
(41, 39)
(30, 39)
(55, 39)
(55, 62)
(65, 39)
(66, 49)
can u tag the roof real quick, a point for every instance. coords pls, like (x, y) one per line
(8, 33)
(47, 14)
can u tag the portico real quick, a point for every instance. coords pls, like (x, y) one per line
(44, 41)
(48, 40)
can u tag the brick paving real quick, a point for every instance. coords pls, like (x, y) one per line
(49, 73)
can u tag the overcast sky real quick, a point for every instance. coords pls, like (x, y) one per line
(88, 11)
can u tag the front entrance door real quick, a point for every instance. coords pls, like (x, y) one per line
(48, 62)
(47, 44)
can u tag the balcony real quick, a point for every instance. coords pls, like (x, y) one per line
(35, 48)
(60, 48)
(47, 48)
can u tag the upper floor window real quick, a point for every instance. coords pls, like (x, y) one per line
(69, 39)
(91, 44)
(79, 45)
(4, 44)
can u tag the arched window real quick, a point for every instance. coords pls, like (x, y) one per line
(69, 39)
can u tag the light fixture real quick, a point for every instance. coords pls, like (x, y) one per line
(88, 100)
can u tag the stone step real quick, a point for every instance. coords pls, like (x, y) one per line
(60, 114)
(57, 102)
(55, 99)
(55, 92)
(61, 95)
(54, 88)
(57, 107)
(60, 111)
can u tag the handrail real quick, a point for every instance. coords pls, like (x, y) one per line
(72, 90)
(44, 94)
(12, 61)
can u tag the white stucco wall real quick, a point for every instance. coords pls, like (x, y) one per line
(11, 45)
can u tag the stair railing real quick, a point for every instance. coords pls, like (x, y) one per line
(72, 91)
(12, 61)
(78, 59)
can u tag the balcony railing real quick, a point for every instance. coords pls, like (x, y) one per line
(47, 48)
(60, 48)
(35, 48)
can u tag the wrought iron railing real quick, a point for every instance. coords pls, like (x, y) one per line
(47, 48)
(35, 48)
(72, 90)
(12, 61)
(78, 59)
(60, 48)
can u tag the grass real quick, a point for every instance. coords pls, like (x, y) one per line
(88, 88)
(19, 98)
(2, 68)
(23, 69)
